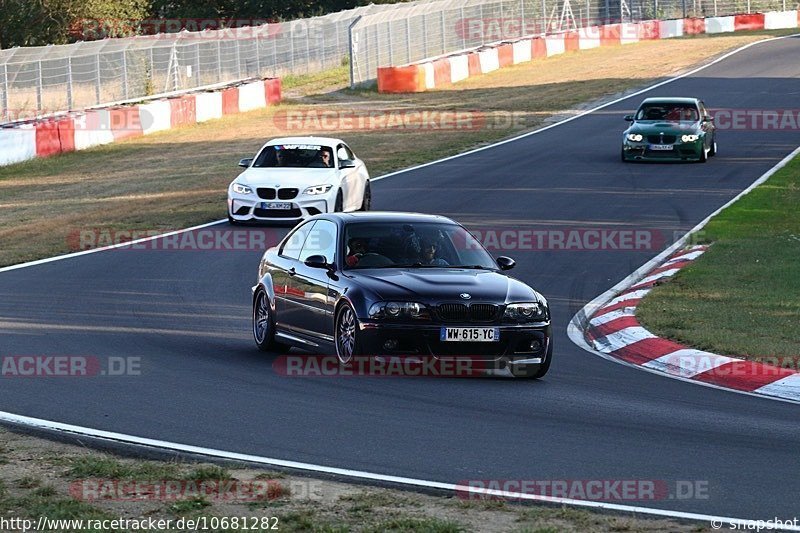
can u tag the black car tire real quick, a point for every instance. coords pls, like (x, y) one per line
(345, 327)
(338, 206)
(703, 155)
(713, 151)
(366, 202)
(536, 371)
(622, 155)
(262, 315)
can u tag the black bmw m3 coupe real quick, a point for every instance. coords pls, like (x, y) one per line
(398, 285)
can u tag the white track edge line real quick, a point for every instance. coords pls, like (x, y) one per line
(234, 456)
(129, 439)
(105, 248)
(588, 111)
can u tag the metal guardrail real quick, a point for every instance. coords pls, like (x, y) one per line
(410, 33)
(42, 80)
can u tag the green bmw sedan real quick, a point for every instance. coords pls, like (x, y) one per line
(670, 129)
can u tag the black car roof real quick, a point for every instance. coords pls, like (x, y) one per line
(384, 216)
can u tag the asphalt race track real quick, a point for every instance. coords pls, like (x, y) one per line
(186, 314)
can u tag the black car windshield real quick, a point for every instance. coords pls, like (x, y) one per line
(669, 112)
(413, 245)
(295, 156)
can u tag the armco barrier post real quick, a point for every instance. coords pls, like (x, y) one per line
(352, 51)
(69, 83)
(97, 79)
(5, 92)
(39, 86)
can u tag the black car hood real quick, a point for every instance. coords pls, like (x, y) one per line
(442, 284)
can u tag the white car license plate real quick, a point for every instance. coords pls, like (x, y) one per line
(663, 147)
(276, 205)
(469, 334)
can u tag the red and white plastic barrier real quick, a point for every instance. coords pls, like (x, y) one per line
(209, 106)
(96, 127)
(424, 75)
(17, 144)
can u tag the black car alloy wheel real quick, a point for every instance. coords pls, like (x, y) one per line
(346, 332)
(262, 325)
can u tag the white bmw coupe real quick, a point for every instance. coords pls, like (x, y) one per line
(293, 178)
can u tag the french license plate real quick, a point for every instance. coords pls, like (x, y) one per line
(663, 147)
(469, 334)
(276, 205)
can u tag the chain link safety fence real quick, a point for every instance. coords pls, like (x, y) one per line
(41, 80)
(414, 32)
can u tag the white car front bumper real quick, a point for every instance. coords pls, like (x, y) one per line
(249, 207)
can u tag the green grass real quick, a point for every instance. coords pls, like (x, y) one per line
(110, 468)
(740, 298)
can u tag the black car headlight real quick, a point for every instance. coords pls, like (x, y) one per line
(526, 312)
(399, 310)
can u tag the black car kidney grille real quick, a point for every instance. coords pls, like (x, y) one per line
(266, 193)
(463, 313)
(287, 194)
(483, 312)
(453, 312)
(661, 139)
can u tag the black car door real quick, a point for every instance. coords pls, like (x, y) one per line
(309, 286)
(285, 268)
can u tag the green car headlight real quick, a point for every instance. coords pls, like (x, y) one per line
(238, 188)
(635, 137)
(689, 138)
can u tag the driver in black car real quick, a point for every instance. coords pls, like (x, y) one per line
(357, 249)
(428, 254)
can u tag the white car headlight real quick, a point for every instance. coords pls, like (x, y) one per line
(238, 188)
(635, 137)
(689, 138)
(318, 189)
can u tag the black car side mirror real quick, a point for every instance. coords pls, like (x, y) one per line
(317, 261)
(245, 162)
(629, 118)
(505, 263)
(347, 163)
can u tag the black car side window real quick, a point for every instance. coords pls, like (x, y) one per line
(292, 246)
(321, 241)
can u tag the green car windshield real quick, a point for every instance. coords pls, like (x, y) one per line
(669, 112)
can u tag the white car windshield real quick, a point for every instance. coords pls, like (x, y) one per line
(413, 245)
(295, 156)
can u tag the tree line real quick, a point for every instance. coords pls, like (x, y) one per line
(42, 22)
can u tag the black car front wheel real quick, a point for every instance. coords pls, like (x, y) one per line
(264, 324)
(346, 334)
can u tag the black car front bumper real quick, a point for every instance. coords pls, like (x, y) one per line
(523, 344)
